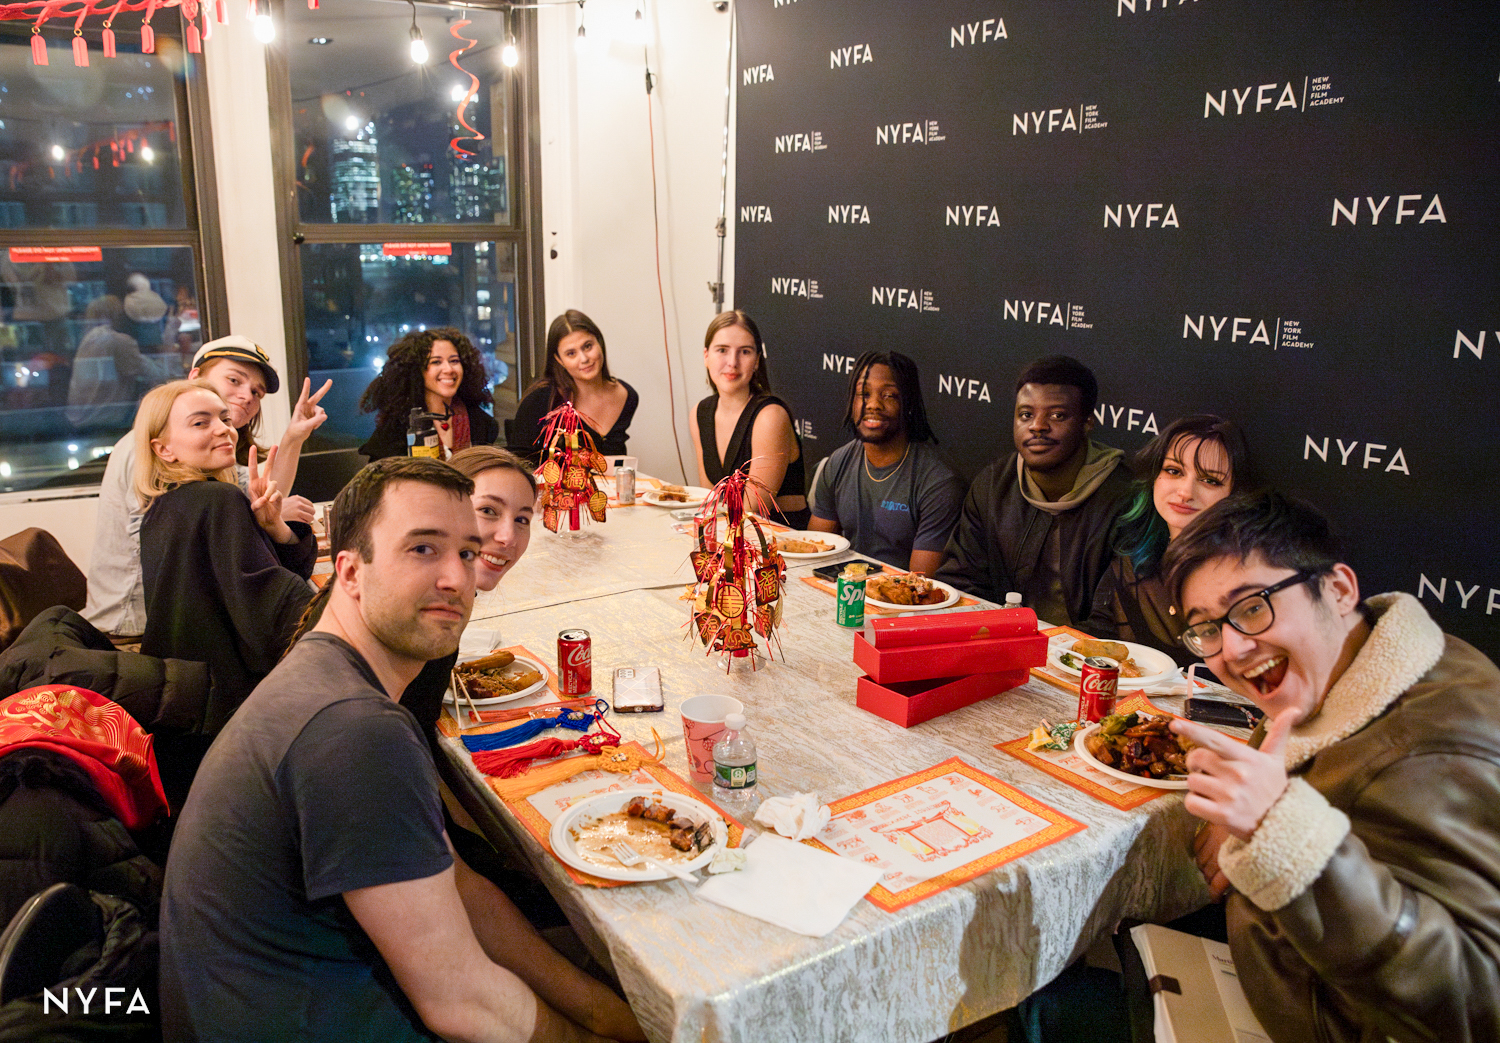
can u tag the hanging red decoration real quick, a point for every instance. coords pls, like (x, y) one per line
(567, 474)
(38, 47)
(739, 569)
(39, 11)
(474, 134)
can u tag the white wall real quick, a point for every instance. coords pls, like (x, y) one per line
(597, 196)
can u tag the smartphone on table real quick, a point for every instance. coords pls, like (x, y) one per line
(637, 689)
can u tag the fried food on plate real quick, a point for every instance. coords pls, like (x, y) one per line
(799, 546)
(910, 589)
(1139, 744)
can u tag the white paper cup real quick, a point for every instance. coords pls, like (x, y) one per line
(702, 724)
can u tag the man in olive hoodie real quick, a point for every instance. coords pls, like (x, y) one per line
(1039, 521)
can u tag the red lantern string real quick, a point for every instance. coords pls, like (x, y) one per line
(148, 35)
(38, 46)
(80, 45)
(474, 134)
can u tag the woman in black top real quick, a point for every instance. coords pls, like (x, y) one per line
(440, 372)
(577, 372)
(225, 576)
(742, 422)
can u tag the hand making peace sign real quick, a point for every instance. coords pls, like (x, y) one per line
(265, 498)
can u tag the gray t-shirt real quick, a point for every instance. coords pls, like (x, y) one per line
(320, 784)
(888, 512)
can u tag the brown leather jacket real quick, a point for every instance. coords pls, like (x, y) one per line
(1368, 901)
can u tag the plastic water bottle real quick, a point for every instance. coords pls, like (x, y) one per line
(1013, 599)
(734, 766)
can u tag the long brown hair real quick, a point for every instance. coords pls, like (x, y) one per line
(760, 380)
(556, 374)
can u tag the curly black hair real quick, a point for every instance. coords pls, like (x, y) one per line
(399, 388)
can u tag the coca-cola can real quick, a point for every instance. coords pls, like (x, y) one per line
(625, 485)
(575, 661)
(1098, 688)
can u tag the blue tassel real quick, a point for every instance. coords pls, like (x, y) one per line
(577, 720)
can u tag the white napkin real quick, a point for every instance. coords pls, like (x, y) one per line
(792, 885)
(796, 817)
(478, 641)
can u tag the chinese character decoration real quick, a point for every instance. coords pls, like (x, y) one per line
(567, 473)
(740, 572)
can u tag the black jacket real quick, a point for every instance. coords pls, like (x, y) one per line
(219, 590)
(389, 438)
(1000, 537)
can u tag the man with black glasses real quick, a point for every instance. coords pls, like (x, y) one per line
(1360, 829)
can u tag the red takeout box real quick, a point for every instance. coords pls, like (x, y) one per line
(911, 702)
(950, 659)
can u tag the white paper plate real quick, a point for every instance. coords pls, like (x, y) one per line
(1093, 762)
(837, 544)
(1159, 664)
(696, 494)
(602, 804)
(520, 664)
(947, 602)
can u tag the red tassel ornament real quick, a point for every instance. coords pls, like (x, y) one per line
(80, 50)
(109, 42)
(38, 48)
(219, 14)
(148, 39)
(194, 41)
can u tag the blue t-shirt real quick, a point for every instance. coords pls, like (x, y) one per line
(888, 512)
(319, 784)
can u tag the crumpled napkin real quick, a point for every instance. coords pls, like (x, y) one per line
(796, 817)
(792, 885)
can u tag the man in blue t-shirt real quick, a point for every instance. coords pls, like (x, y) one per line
(888, 491)
(311, 892)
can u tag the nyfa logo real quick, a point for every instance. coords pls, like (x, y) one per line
(1315, 91)
(843, 57)
(791, 287)
(980, 214)
(113, 999)
(920, 132)
(838, 363)
(1406, 206)
(1134, 419)
(848, 214)
(1475, 346)
(1371, 458)
(804, 429)
(783, 3)
(991, 30)
(1232, 329)
(963, 387)
(1153, 217)
(1439, 590)
(1121, 6)
(812, 141)
(1066, 314)
(1051, 121)
(901, 297)
(758, 74)
(756, 214)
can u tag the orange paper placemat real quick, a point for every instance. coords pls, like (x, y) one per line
(938, 828)
(556, 799)
(831, 589)
(449, 727)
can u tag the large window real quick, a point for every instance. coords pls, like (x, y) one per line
(103, 286)
(400, 216)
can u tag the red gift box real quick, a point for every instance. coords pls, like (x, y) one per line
(942, 628)
(911, 702)
(950, 659)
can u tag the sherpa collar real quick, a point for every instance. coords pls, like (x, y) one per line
(1403, 646)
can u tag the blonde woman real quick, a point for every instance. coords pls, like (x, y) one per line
(225, 575)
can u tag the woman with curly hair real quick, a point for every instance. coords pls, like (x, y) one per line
(577, 372)
(440, 372)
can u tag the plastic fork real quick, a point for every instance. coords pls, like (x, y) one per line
(630, 857)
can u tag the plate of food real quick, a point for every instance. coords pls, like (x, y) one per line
(665, 827)
(675, 495)
(1136, 747)
(908, 592)
(800, 546)
(500, 677)
(1140, 667)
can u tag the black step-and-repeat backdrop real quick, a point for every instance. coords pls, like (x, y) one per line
(1284, 212)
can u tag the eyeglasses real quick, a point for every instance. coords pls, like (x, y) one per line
(1250, 615)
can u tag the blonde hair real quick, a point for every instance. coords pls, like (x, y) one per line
(153, 475)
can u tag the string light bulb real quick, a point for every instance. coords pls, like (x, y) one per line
(265, 29)
(509, 56)
(418, 45)
(581, 41)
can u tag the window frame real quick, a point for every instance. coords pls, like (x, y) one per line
(524, 108)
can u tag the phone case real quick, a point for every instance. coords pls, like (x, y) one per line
(637, 690)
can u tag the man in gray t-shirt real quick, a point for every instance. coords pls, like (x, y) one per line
(888, 491)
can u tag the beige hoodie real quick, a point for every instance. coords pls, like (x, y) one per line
(1097, 465)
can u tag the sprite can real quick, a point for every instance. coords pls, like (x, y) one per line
(851, 596)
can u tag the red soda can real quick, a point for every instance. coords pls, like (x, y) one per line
(575, 661)
(1098, 688)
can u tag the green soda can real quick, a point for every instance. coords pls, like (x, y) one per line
(851, 595)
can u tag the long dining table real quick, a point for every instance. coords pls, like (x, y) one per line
(698, 972)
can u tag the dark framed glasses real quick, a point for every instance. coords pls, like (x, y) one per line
(1250, 615)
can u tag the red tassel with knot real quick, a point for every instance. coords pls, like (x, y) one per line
(109, 42)
(508, 763)
(80, 50)
(194, 41)
(219, 15)
(38, 48)
(148, 39)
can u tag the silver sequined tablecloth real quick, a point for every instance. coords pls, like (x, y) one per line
(697, 972)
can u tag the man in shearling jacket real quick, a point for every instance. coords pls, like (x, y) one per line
(1360, 830)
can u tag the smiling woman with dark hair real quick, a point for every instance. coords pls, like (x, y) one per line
(440, 372)
(577, 372)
